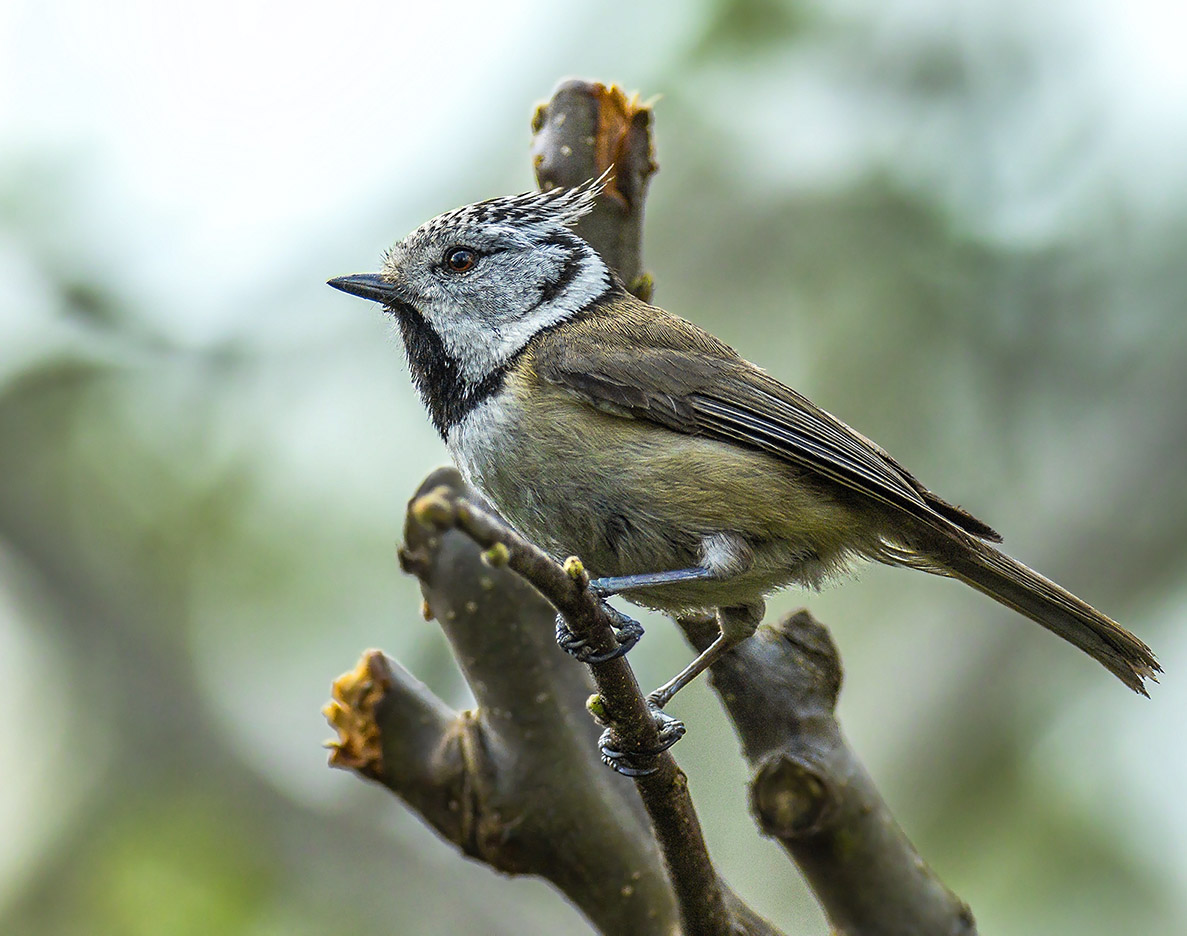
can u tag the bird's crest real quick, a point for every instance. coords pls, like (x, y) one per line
(564, 206)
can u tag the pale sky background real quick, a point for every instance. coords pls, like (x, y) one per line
(205, 170)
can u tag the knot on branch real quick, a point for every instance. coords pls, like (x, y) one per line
(791, 797)
(467, 773)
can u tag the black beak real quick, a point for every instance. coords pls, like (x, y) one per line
(367, 286)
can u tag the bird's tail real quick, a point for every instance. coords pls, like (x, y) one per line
(1057, 609)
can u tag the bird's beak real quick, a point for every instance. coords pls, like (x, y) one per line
(368, 286)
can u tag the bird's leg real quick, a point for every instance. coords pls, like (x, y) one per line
(722, 555)
(605, 587)
(736, 623)
(626, 629)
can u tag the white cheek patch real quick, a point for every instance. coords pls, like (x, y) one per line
(478, 347)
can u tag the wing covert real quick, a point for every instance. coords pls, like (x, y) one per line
(682, 378)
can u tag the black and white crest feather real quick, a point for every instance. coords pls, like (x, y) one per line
(563, 206)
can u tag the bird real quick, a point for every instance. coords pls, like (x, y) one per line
(684, 476)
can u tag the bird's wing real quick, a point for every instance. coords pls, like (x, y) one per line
(678, 376)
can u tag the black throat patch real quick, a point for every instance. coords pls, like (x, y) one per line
(446, 394)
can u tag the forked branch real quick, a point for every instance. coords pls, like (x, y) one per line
(480, 778)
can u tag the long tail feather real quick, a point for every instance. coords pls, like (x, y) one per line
(1057, 609)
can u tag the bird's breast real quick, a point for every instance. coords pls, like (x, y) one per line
(629, 496)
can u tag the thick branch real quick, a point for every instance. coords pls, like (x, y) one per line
(516, 783)
(699, 894)
(810, 791)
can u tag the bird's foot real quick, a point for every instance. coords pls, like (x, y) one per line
(640, 762)
(627, 632)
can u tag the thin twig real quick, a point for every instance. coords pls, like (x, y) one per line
(665, 795)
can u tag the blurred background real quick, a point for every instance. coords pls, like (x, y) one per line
(961, 227)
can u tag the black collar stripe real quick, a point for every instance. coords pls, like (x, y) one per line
(447, 395)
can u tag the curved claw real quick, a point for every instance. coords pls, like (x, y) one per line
(640, 763)
(627, 763)
(626, 631)
(567, 640)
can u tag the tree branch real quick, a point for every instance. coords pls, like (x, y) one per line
(811, 793)
(620, 703)
(583, 130)
(481, 778)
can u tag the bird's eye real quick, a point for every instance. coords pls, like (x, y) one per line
(460, 259)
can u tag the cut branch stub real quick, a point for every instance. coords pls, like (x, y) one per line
(583, 130)
(351, 712)
(790, 797)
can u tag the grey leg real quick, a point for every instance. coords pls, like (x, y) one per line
(627, 630)
(605, 587)
(736, 625)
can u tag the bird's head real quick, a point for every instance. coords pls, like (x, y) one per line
(477, 283)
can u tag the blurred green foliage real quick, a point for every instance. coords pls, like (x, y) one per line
(918, 220)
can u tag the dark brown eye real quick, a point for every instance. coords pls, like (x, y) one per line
(459, 259)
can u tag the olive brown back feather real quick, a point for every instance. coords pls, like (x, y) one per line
(677, 376)
(674, 374)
